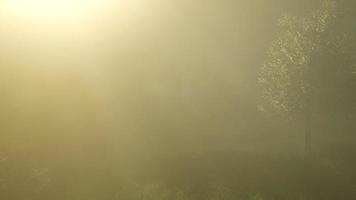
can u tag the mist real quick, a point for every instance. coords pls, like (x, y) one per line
(177, 100)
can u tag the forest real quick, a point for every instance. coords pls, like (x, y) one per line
(177, 100)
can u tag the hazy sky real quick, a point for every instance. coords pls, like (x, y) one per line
(90, 60)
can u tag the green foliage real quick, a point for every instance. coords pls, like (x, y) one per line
(307, 56)
(256, 197)
(221, 192)
(152, 192)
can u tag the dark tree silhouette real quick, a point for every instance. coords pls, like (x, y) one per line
(309, 68)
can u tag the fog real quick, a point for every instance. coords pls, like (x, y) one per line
(177, 100)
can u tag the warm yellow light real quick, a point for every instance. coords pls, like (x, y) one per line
(52, 10)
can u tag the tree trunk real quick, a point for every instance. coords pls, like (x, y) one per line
(308, 129)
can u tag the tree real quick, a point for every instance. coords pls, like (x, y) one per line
(308, 68)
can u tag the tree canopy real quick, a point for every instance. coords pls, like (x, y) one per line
(309, 60)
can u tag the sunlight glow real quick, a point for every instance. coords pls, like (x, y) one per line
(54, 11)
